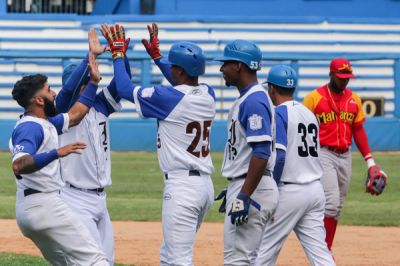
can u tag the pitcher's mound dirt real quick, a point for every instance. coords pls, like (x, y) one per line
(138, 243)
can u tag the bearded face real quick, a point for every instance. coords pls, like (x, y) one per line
(49, 107)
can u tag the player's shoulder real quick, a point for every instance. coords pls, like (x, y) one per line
(353, 95)
(30, 121)
(256, 97)
(28, 129)
(317, 93)
(209, 89)
(28, 125)
(255, 101)
(282, 112)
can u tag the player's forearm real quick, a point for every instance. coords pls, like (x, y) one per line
(361, 140)
(122, 80)
(165, 69)
(256, 171)
(69, 93)
(128, 67)
(81, 108)
(24, 165)
(31, 163)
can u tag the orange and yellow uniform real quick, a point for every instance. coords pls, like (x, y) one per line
(338, 115)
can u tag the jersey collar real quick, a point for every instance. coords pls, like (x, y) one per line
(243, 92)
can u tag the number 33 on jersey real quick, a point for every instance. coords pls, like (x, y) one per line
(302, 164)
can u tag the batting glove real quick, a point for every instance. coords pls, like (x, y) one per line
(116, 41)
(222, 196)
(376, 180)
(152, 47)
(240, 210)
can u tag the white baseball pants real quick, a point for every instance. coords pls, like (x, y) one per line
(300, 208)
(59, 234)
(91, 209)
(241, 243)
(187, 200)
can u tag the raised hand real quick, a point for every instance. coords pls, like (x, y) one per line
(152, 47)
(115, 36)
(94, 43)
(75, 147)
(93, 65)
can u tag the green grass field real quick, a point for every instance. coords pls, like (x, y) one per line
(9, 259)
(136, 192)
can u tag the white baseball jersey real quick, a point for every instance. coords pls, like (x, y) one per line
(184, 115)
(302, 164)
(251, 119)
(33, 135)
(92, 168)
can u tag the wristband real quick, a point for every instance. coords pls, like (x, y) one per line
(43, 159)
(89, 94)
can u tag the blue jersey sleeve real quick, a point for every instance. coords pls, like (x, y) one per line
(128, 67)
(156, 102)
(255, 117)
(108, 100)
(281, 127)
(279, 165)
(261, 149)
(210, 90)
(26, 139)
(60, 122)
(165, 69)
(122, 81)
(69, 93)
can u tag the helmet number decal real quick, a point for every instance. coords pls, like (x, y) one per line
(290, 82)
(254, 65)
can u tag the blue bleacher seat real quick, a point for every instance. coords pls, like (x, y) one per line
(34, 46)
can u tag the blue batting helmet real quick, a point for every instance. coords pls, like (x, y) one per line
(243, 51)
(68, 70)
(188, 56)
(282, 76)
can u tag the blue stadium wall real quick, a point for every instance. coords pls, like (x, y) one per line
(383, 134)
(368, 9)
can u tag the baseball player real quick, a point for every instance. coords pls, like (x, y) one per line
(87, 175)
(249, 157)
(184, 115)
(41, 213)
(297, 172)
(341, 117)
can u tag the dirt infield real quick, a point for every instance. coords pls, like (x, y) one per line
(138, 243)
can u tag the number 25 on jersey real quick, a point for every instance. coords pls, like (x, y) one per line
(202, 133)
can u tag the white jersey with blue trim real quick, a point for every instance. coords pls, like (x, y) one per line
(92, 168)
(33, 135)
(251, 119)
(297, 134)
(184, 114)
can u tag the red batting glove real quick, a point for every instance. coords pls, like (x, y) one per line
(152, 47)
(116, 41)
